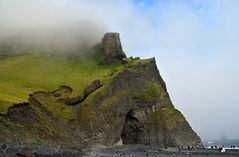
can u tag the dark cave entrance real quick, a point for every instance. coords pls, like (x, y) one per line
(133, 131)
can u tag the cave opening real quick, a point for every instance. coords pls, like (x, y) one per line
(133, 131)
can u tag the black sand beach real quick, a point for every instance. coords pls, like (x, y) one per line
(151, 151)
(119, 151)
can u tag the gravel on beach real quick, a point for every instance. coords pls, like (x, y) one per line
(117, 151)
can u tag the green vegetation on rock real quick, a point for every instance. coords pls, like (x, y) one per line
(149, 94)
(168, 115)
(86, 98)
(25, 74)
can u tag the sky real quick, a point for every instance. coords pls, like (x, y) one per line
(195, 43)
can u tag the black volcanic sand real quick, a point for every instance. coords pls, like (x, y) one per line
(39, 150)
(119, 151)
(151, 151)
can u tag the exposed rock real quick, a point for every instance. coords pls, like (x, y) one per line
(88, 90)
(74, 101)
(112, 45)
(136, 107)
(32, 122)
(92, 87)
(23, 154)
(62, 90)
(110, 50)
(133, 107)
(133, 131)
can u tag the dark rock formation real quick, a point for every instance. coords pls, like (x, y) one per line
(90, 89)
(74, 101)
(62, 90)
(23, 154)
(133, 131)
(110, 50)
(136, 108)
(133, 105)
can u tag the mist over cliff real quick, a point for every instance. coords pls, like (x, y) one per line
(61, 39)
(40, 25)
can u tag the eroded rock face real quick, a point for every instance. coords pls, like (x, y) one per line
(133, 105)
(112, 44)
(136, 107)
(92, 87)
(87, 91)
(134, 131)
(110, 50)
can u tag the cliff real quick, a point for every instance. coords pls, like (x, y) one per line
(104, 98)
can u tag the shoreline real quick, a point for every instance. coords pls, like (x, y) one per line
(116, 151)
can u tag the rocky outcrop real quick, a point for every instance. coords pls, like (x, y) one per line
(133, 132)
(88, 90)
(132, 105)
(23, 154)
(110, 51)
(33, 124)
(136, 108)
(92, 87)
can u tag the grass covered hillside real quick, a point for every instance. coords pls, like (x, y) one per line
(24, 74)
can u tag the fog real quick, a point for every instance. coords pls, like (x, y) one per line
(195, 44)
(42, 25)
(71, 38)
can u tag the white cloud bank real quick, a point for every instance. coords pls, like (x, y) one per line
(195, 43)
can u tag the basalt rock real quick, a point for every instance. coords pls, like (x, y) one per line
(136, 108)
(87, 91)
(23, 154)
(110, 51)
(92, 87)
(131, 106)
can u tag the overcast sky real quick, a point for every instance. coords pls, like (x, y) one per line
(195, 42)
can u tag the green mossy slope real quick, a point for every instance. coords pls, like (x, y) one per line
(22, 75)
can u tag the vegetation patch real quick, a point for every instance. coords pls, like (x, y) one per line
(58, 108)
(26, 74)
(108, 101)
(149, 94)
(85, 114)
(169, 116)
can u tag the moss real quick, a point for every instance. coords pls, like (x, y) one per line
(85, 114)
(168, 116)
(73, 124)
(137, 66)
(31, 141)
(149, 94)
(103, 93)
(153, 92)
(107, 102)
(106, 85)
(58, 108)
(25, 74)
(48, 123)
(4, 105)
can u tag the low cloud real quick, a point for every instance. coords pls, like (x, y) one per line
(41, 25)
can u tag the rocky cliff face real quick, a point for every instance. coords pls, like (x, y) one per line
(132, 106)
(110, 50)
(135, 108)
